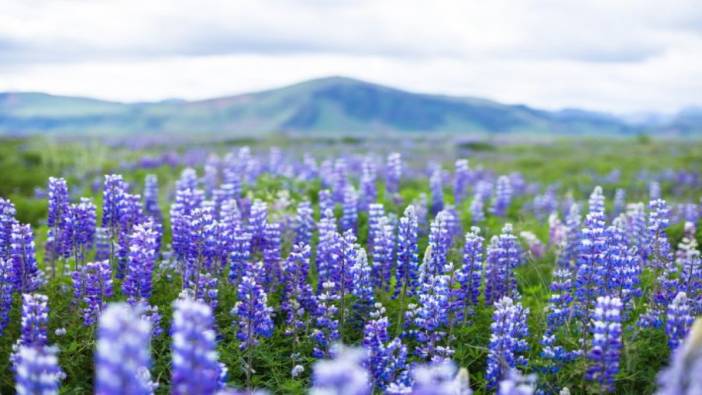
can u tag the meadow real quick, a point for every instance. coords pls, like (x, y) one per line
(272, 251)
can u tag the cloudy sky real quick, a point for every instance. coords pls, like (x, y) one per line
(620, 56)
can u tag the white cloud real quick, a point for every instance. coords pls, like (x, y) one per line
(620, 56)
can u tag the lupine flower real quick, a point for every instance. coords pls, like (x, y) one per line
(93, 285)
(304, 223)
(142, 257)
(462, 178)
(431, 317)
(37, 370)
(407, 253)
(678, 320)
(376, 211)
(393, 173)
(606, 329)
(437, 190)
(196, 369)
(470, 275)
(123, 354)
(558, 312)
(80, 228)
(369, 192)
(26, 275)
(340, 179)
(327, 323)
(252, 313)
(151, 207)
(35, 320)
(477, 210)
(386, 359)
(435, 379)
(130, 214)
(593, 244)
(362, 282)
(535, 247)
(637, 229)
(7, 220)
(507, 340)
(257, 224)
(684, 375)
(569, 253)
(6, 291)
(297, 299)
(440, 242)
(688, 259)
(326, 202)
(349, 216)
(383, 252)
(113, 193)
(344, 374)
(58, 242)
(660, 255)
(503, 196)
(503, 256)
(240, 255)
(271, 254)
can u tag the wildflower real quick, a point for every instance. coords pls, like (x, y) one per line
(507, 340)
(344, 374)
(252, 312)
(606, 329)
(678, 320)
(37, 370)
(26, 275)
(503, 256)
(503, 196)
(407, 253)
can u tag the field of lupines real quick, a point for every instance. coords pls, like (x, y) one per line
(351, 268)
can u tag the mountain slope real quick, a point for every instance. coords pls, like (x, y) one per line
(327, 105)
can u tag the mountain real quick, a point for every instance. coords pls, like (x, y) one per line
(329, 105)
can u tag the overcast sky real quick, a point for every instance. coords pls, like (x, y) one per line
(619, 56)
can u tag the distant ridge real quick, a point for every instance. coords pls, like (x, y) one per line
(332, 105)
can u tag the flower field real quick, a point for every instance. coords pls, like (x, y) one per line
(350, 267)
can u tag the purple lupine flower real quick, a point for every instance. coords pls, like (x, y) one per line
(151, 207)
(202, 248)
(386, 359)
(7, 219)
(326, 202)
(507, 340)
(622, 271)
(659, 250)
(688, 259)
(130, 214)
(393, 173)
(434, 379)
(297, 300)
(340, 179)
(113, 193)
(271, 255)
(26, 275)
(123, 352)
(251, 310)
(503, 256)
(431, 317)
(196, 369)
(369, 192)
(240, 255)
(684, 374)
(407, 269)
(568, 257)
(326, 330)
(678, 320)
(37, 370)
(58, 214)
(437, 190)
(328, 247)
(461, 181)
(35, 320)
(637, 229)
(503, 196)
(376, 211)
(470, 275)
(349, 206)
(304, 223)
(142, 257)
(593, 243)
(6, 291)
(103, 244)
(362, 281)
(606, 329)
(558, 311)
(477, 210)
(79, 233)
(257, 224)
(93, 285)
(344, 374)
(383, 252)
(440, 242)
(546, 204)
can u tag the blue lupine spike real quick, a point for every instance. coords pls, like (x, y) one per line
(304, 223)
(568, 257)
(344, 374)
(387, 360)
(503, 196)
(326, 330)
(369, 192)
(503, 256)
(123, 352)
(437, 190)
(507, 340)
(431, 317)
(349, 205)
(7, 219)
(383, 253)
(196, 369)
(6, 291)
(138, 278)
(393, 173)
(605, 350)
(678, 320)
(37, 370)
(407, 269)
(461, 181)
(253, 315)
(26, 275)
(477, 210)
(297, 300)
(470, 275)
